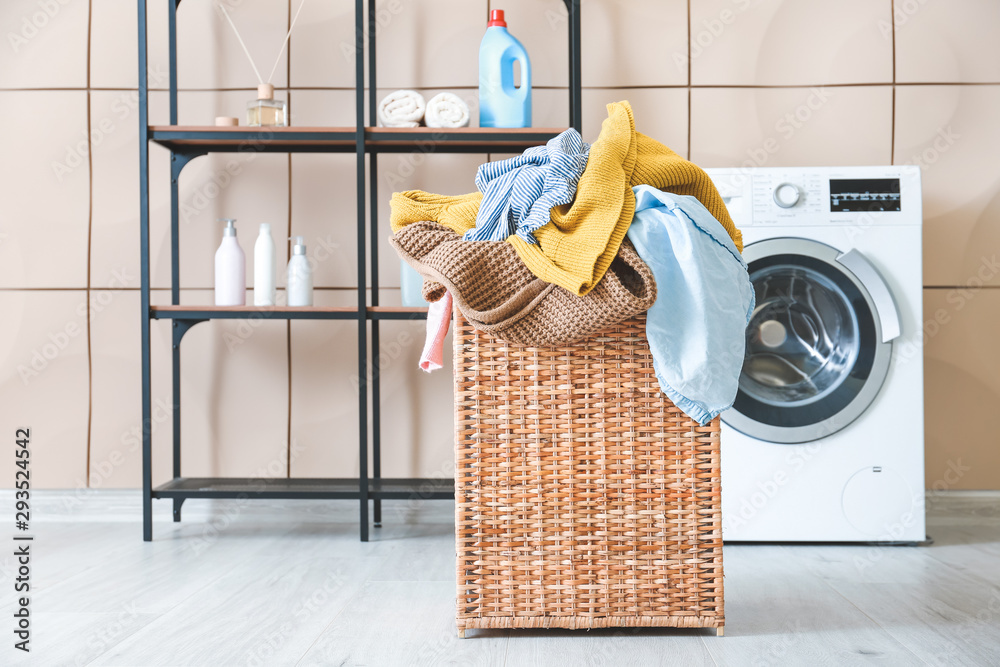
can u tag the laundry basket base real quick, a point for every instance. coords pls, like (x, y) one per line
(584, 498)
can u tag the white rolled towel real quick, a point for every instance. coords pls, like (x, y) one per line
(403, 108)
(447, 110)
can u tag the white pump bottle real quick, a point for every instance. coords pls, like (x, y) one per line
(299, 287)
(230, 269)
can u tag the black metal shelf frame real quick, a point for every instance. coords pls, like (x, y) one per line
(365, 142)
(344, 488)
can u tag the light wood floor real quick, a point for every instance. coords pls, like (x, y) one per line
(289, 584)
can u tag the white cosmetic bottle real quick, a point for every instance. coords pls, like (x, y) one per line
(300, 285)
(265, 270)
(230, 269)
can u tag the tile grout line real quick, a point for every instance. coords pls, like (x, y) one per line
(892, 134)
(331, 288)
(963, 287)
(90, 235)
(856, 84)
(288, 226)
(352, 289)
(689, 79)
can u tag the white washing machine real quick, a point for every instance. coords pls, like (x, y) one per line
(825, 442)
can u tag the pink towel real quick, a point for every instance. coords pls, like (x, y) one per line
(438, 321)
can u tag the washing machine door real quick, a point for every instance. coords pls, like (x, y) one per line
(818, 344)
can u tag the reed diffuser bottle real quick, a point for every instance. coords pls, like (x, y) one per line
(265, 111)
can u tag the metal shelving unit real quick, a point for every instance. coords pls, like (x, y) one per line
(366, 141)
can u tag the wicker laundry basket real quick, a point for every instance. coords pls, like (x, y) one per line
(584, 497)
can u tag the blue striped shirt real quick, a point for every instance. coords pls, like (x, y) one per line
(519, 193)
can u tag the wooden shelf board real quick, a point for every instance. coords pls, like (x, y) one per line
(255, 309)
(292, 309)
(182, 312)
(342, 139)
(396, 309)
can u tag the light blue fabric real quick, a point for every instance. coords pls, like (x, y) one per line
(704, 301)
(519, 193)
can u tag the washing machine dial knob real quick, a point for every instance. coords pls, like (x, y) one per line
(787, 195)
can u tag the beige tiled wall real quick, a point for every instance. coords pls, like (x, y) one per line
(726, 82)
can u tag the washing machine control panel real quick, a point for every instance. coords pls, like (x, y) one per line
(821, 195)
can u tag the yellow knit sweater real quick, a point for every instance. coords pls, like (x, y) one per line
(578, 244)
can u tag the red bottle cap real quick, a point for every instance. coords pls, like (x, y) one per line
(496, 18)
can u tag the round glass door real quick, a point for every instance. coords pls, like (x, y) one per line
(803, 338)
(814, 359)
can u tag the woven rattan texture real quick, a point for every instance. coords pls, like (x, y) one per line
(584, 497)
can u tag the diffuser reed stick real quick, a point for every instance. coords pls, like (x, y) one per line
(285, 43)
(245, 49)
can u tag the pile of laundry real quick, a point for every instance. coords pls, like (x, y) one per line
(569, 239)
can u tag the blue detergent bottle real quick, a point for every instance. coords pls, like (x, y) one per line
(501, 103)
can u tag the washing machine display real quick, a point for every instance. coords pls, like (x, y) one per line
(865, 194)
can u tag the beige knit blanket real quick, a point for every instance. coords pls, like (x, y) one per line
(497, 293)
